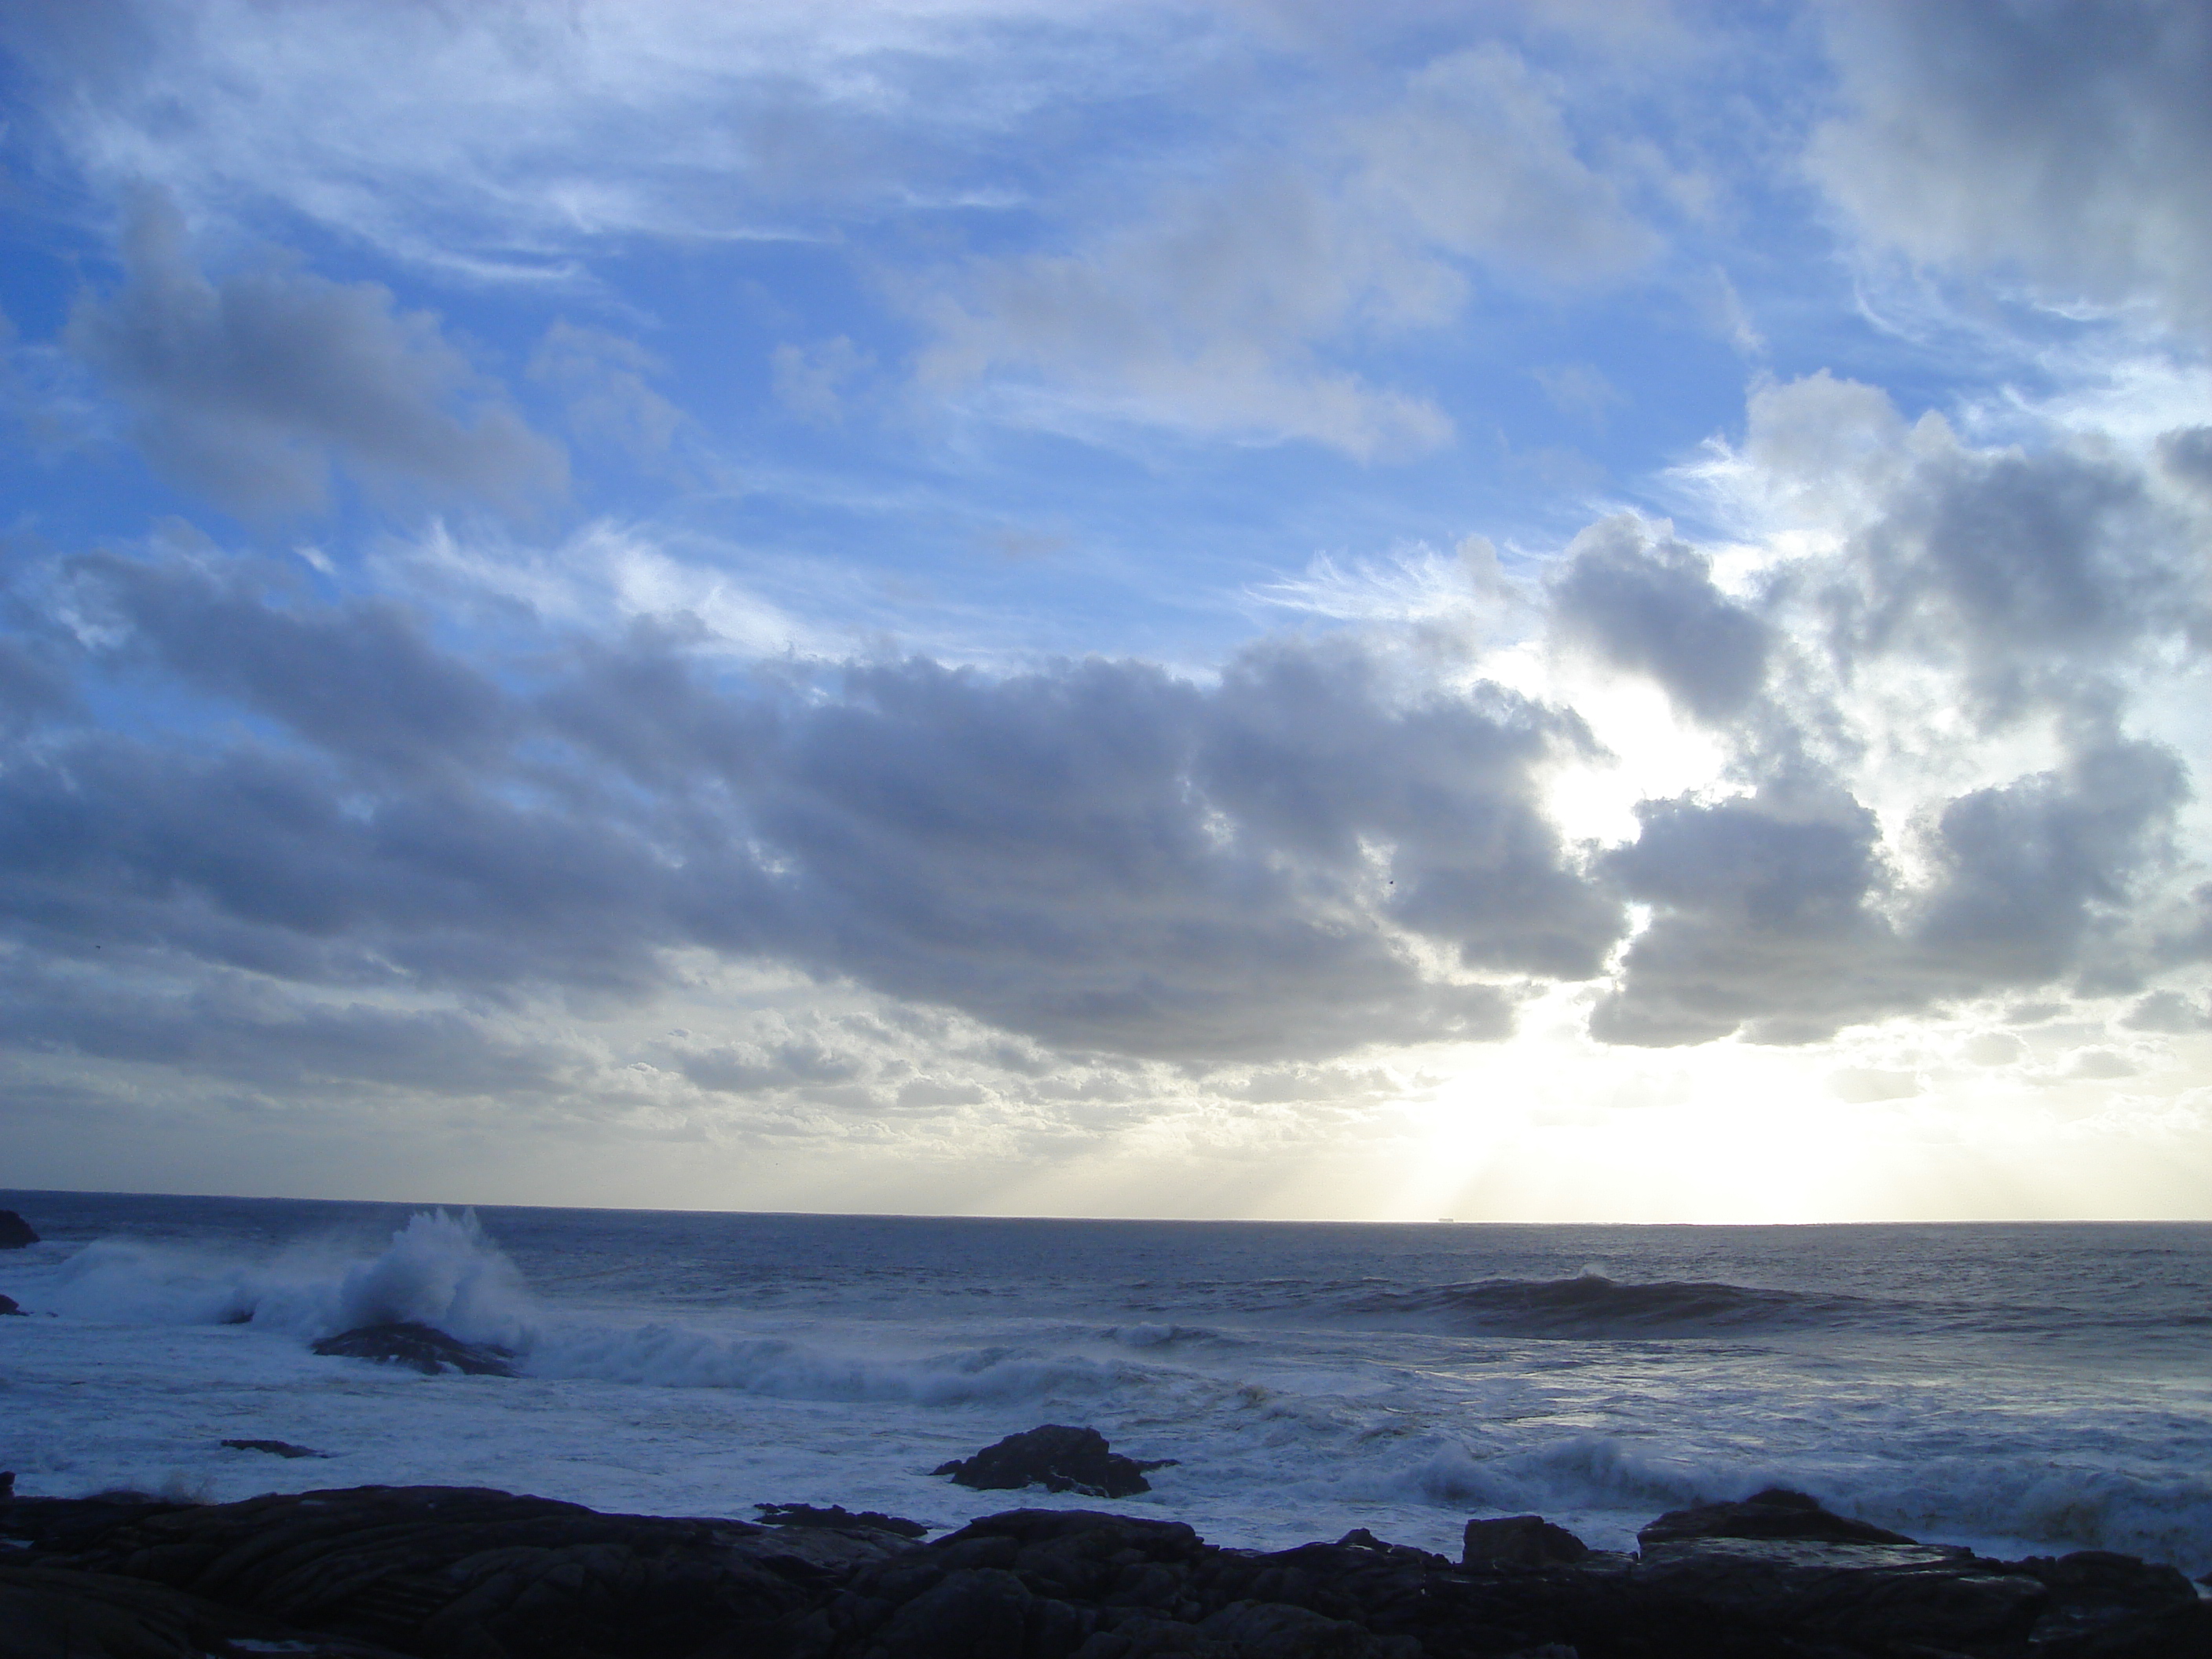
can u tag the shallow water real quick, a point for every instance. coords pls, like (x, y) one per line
(2028, 1388)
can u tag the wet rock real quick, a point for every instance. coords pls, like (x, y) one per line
(1519, 1540)
(15, 1233)
(835, 1516)
(275, 1448)
(1876, 1595)
(1777, 1512)
(420, 1347)
(1057, 1458)
(9, 1305)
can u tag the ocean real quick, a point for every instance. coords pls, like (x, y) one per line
(2025, 1390)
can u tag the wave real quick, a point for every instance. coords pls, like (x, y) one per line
(442, 1269)
(674, 1357)
(439, 1269)
(1592, 1306)
(1958, 1499)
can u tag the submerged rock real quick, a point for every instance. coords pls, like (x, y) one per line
(423, 1347)
(275, 1448)
(1057, 1458)
(1777, 1512)
(15, 1233)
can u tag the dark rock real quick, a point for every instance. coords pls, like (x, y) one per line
(1519, 1540)
(15, 1233)
(9, 1305)
(1872, 1595)
(275, 1448)
(422, 1347)
(49, 1613)
(68, 1524)
(2094, 1590)
(975, 1613)
(1288, 1632)
(1775, 1513)
(808, 1515)
(1057, 1458)
(459, 1571)
(446, 1573)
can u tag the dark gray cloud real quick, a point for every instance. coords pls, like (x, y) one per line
(251, 388)
(1765, 916)
(2071, 140)
(1652, 607)
(2034, 574)
(358, 679)
(2028, 866)
(1097, 854)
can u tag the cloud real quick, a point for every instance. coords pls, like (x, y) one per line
(252, 389)
(603, 377)
(2169, 1011)
(1307, 858)
(2027, 866)
(811, 381)
(2068, 142)
(1652, 608)
(1217, 312)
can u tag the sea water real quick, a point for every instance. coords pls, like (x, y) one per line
(2024, 1389)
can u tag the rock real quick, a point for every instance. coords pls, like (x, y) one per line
(15, 1233)
(461, 1571)
(2095, 1591)
(807, 1515)
(1775, 1513)
(275, 1448)
(1057, 1458)
(1290, 1633)
(49, 1611)
(422, 1347)
(1876, 1596)
(9, 1305)
(1519, 1540)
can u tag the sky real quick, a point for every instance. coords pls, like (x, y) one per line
(1594, 611)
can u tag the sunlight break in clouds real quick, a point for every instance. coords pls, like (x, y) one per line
(1177, 609)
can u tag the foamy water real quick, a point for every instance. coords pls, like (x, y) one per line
(2023, 1390)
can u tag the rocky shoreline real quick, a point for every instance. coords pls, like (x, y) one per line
(462, 1573)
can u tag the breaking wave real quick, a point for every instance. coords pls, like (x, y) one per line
(439, 1269)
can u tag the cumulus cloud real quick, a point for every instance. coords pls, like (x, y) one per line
(2068, 142)
(1653, 608)
(252, 388)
